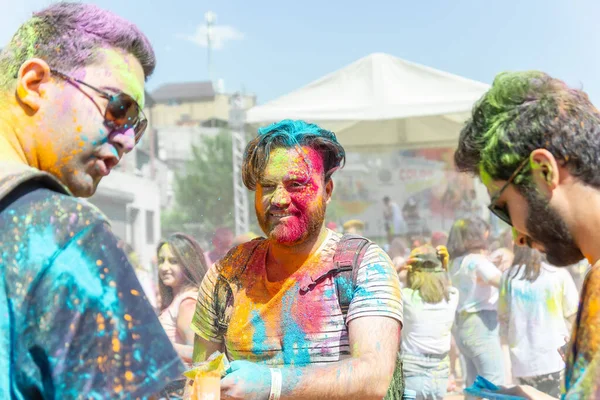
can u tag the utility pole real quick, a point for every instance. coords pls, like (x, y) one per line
(210, 18)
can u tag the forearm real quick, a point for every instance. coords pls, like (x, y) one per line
(203, 349)
(364, 377)
(185, 351)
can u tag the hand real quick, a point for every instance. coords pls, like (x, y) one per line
(563, 349)
(246, 380)
(525, 391)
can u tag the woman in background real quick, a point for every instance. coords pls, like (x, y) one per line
(429, 307)
(181, 267)
(538, 303)
(477, 280)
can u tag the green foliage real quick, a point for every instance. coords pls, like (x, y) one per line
(204, 190)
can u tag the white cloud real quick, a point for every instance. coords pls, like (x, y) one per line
(220, 35)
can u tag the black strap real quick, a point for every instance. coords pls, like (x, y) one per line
(346, 260)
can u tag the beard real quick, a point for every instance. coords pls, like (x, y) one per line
(548, 228)
(294, 230)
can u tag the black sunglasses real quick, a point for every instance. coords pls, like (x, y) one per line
(122, 111)
(502, 212)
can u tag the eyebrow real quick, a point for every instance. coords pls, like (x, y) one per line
(111, 89)
(117, 90)
(264, 182)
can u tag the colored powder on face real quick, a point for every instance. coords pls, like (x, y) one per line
(125, 72)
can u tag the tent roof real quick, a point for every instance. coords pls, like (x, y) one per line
(376, 87)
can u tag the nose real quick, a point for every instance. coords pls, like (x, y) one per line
(124, 141)
(163, 266)
(281, 197)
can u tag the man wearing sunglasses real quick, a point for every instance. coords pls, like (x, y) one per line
(535, 144)
(73, 319)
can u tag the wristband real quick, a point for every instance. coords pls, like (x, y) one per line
(275, 384)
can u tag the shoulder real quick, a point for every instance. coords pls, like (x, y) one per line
(376, 255)
(191, 294)
(479, 261)
(477, 258)
(186, 300)
(236, 259)
(42, 223)
(53, 207)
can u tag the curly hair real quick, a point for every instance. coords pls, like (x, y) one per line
(287, 134)
(524, 111)
(67, 35)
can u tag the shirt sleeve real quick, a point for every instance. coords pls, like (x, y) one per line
(377, 291)
(94, 333)
(570, 295)
(485, 269)
(204, 322)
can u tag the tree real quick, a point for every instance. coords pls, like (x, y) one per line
(204, 190)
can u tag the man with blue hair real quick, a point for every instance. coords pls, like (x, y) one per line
(304, 313)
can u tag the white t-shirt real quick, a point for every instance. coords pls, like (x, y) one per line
(533, 314)
(427, 327)
(471, 275)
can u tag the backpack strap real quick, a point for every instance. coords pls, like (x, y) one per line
(347, 259)
(235, 265)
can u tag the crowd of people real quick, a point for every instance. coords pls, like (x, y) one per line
(303, 311)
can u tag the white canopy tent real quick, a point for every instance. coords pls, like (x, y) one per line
(380, 101)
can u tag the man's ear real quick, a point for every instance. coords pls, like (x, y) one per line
(30, 77)
(544, 170)
(328, 189)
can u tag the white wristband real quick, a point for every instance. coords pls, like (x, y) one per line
(275, 384)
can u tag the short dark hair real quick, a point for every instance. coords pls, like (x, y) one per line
(287, 134)
(524, 111)
(66, 35)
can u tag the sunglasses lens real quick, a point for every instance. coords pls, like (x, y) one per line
(140, 129)
(122, 111)
(501, 213)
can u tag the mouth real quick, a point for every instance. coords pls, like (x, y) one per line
(105, 164)
(280, 214)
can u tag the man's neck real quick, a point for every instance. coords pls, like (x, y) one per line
(585, 208)
(282, 261)
(13, 141)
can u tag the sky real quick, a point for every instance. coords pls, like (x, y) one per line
(270, 48)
